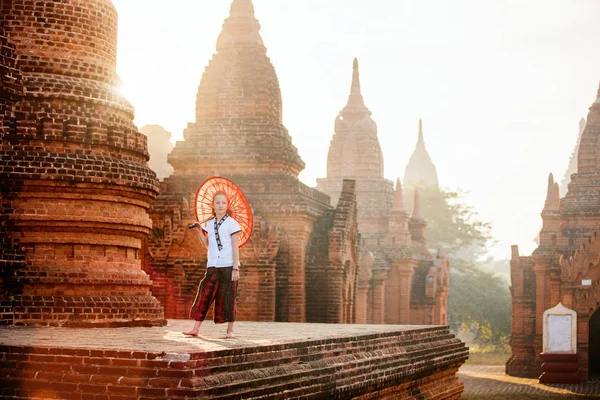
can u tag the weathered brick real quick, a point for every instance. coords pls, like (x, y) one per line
(74, 136)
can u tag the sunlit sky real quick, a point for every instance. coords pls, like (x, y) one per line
(500, 85)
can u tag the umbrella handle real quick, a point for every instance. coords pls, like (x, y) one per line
(195, 224)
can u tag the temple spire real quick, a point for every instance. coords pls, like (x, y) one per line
(557, 195)
(241, 9)
(420, 169)
(355, 100)
(421, 140)
(241, 28)
(552, 195)
(416, 212)
(398, 200)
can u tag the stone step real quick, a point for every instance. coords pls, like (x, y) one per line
(399, 364)
(332, 367)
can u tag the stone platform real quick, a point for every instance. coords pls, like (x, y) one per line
(264, 361)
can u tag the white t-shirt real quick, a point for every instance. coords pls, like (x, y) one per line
(224, 257)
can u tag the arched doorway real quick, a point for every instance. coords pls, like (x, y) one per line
(594, 341)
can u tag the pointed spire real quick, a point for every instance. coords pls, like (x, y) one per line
(355, 100)
(421, 140)
(557, 195)
(416, 212)
(241, 9)
(241, 28)
(398, 200)
(582, 123)
(420, 168)
(551, 195)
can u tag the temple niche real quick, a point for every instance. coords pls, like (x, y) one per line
(401, 282)
(301, 261)
(566, 265)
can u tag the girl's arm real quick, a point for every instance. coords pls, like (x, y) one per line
(203, 240)
(236, 256)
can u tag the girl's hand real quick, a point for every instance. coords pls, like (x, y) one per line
(235, 276)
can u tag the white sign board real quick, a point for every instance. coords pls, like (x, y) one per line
(559, 333)
(560, 330)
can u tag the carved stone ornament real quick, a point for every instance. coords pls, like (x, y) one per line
(568, 272)
(265, 240)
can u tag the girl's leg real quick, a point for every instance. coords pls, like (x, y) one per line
(194, 330)
(230, 330)
(225, 304)
(207, 291)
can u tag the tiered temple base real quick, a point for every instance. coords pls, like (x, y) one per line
(265, 361)
(560, 368)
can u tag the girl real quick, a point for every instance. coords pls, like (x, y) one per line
(222, 269)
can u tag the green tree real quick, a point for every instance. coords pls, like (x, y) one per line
(452, 225)
(479, 300)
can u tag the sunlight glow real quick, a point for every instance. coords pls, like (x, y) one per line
(500, 85)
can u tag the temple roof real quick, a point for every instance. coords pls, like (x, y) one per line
(398, 198)
(238, 123)
(588, 156)
(356, 103)
(241, 28)
(420, 170)
(572, 168)
(355, 151)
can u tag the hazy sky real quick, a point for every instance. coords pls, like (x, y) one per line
(500, 85)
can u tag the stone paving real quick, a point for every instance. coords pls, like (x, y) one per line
(482, 381)
(170, 339)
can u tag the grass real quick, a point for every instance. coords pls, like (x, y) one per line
(487, 355)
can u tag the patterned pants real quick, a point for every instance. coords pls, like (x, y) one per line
(216, 286)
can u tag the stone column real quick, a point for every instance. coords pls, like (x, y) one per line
(540, 306)
(379, 278)
(406, 274)
(298, 234)
(440, 316)
(393, 296)
(363, 283)
(540, 271)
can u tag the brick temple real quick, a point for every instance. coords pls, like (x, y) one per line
(399, 281)
(75, 188)
(565, 267)
(301, 261)
(81, 221)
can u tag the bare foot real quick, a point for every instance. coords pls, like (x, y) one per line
(190, 333)
(229, 335)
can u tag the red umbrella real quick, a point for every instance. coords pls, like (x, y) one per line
(238, 205)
